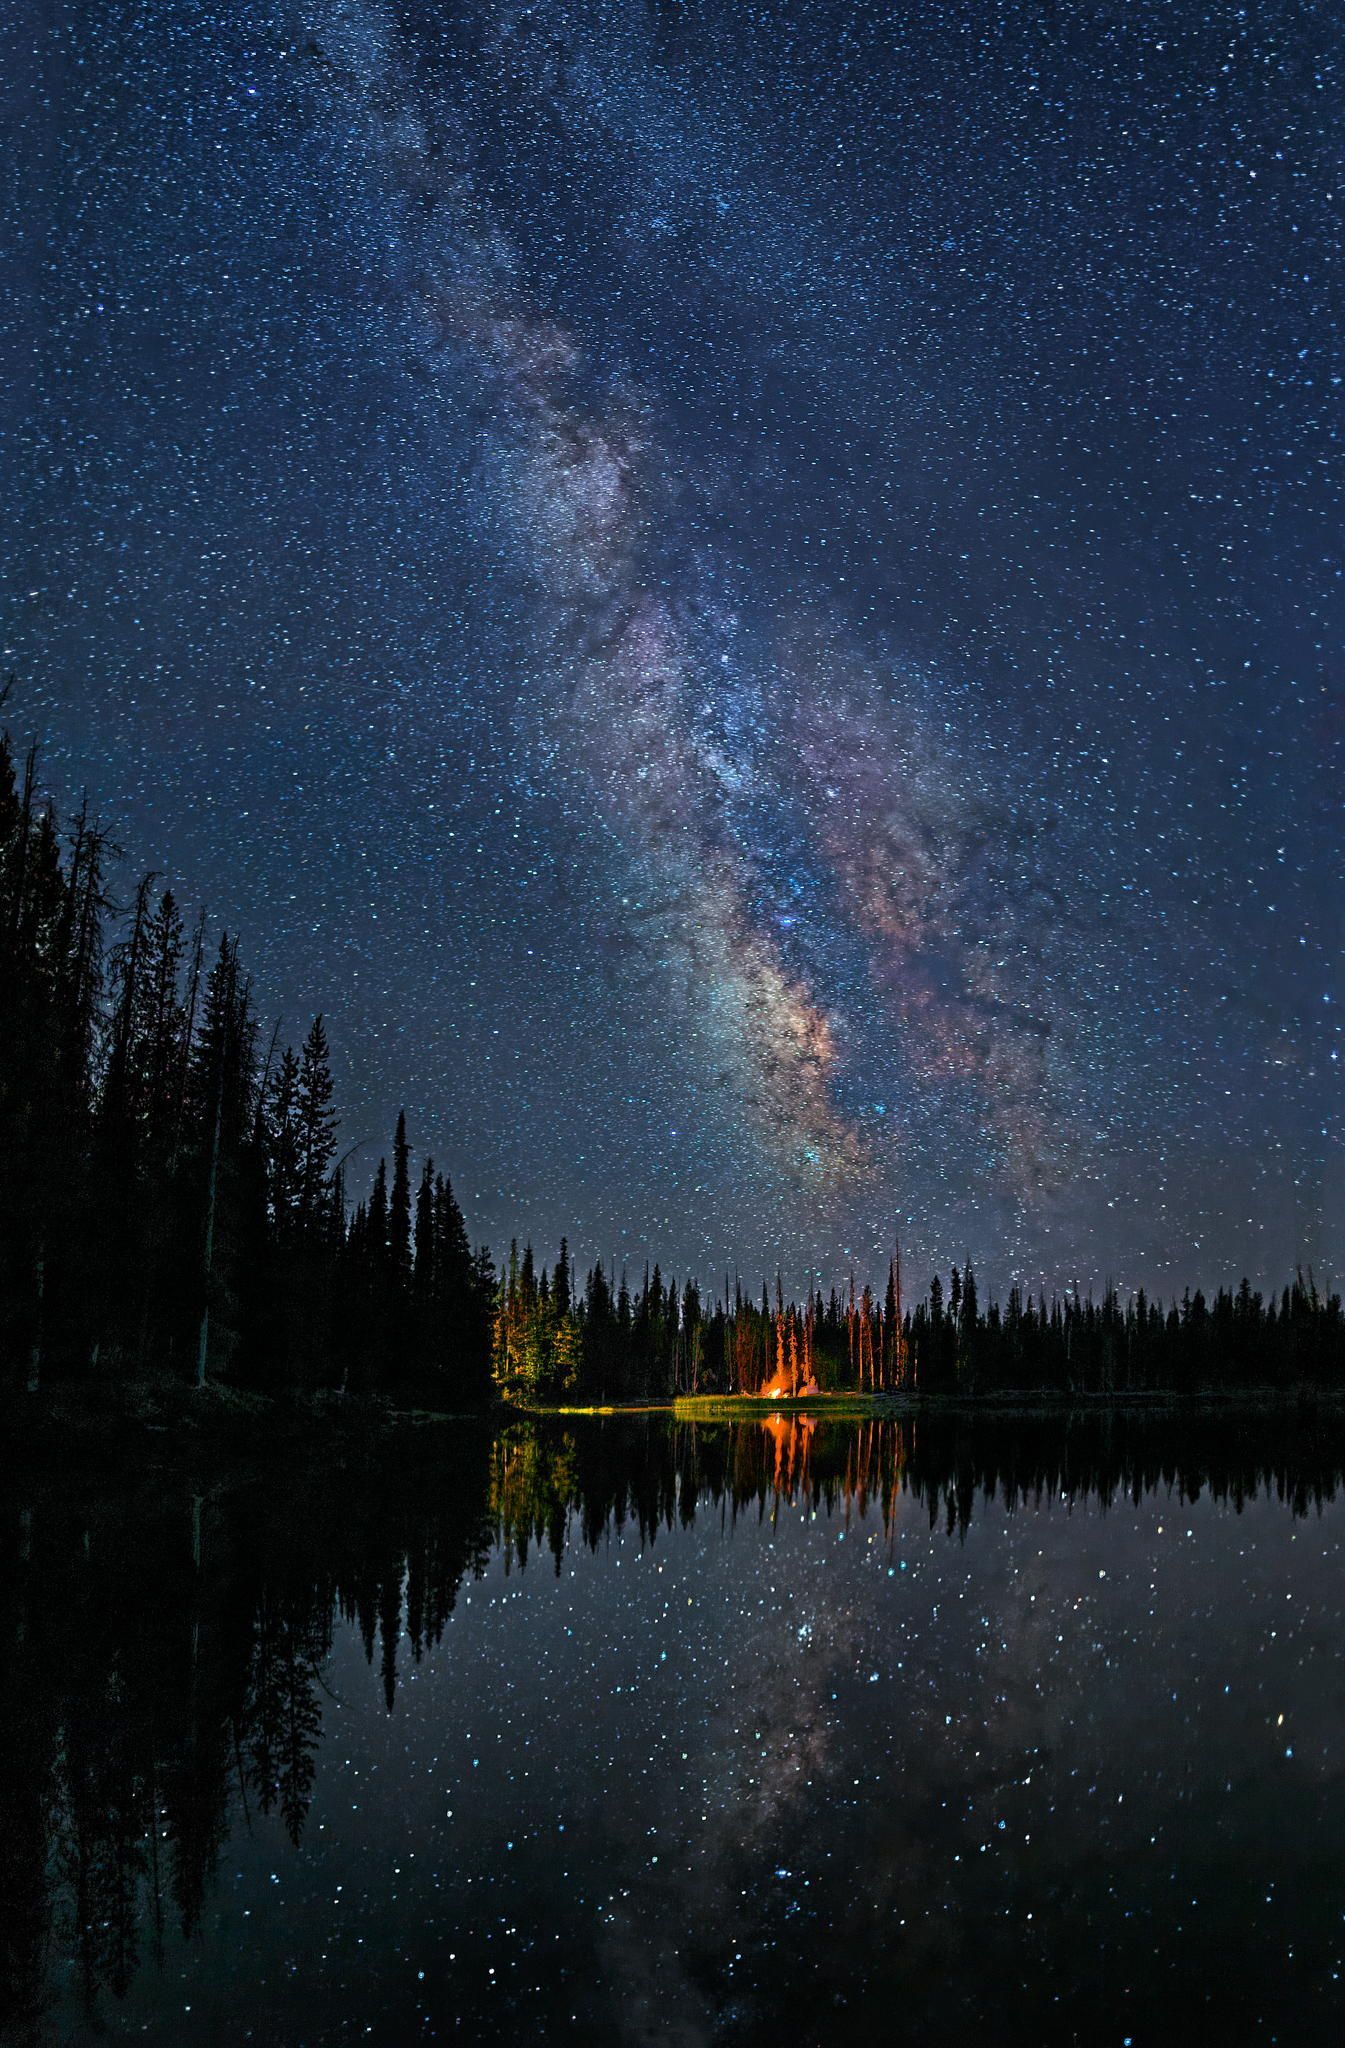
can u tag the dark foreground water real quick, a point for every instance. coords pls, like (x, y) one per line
(627, 1732)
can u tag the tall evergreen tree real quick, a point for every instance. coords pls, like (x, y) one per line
(399, 1212)
(316, 1130)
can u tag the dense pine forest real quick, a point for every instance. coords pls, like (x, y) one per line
(174, 1202)
(612, 1345)
(172, 1198)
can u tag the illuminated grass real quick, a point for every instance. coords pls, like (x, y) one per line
(726, 1407)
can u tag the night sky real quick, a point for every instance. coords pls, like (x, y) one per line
(749, 597)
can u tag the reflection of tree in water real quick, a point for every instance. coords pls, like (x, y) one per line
(282, 1712)
(162, 1674)
(162, 1677)
(555, 1481)
(104, 1853)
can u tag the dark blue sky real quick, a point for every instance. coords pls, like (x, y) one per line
(749, 597)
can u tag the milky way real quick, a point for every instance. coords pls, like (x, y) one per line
(746, 597)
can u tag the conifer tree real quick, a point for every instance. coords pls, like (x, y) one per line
(399, 1213)
(316, 1131)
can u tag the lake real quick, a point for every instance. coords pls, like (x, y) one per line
(623, 1730)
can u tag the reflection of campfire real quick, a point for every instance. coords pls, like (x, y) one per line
(791, 1435)
(875, 1459)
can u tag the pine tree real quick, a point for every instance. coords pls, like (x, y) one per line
(284, 1147)
(399, 1213)
(316, 1130)
(423, 1277)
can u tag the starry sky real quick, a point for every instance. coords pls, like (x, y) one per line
(747, 596)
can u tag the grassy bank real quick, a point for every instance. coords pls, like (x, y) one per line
(837, 1407)
(842, 1406)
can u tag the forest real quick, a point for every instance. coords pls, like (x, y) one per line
(174, 1202)
(173, 1199)
(612, 1345)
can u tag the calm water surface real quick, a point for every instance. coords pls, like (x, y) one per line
(621, 1732)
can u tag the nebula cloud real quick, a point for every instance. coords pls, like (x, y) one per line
(702, 772)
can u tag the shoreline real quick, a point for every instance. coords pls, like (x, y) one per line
(153, 1423)
(159, 1422)
(1018, 1401)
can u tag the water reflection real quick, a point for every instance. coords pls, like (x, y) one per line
(169, 1658)
(163, 1680)
(607, 1471)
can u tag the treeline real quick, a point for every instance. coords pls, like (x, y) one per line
(603, 1342)
(170, 1189)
